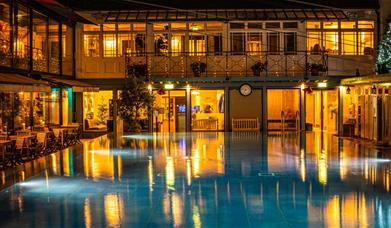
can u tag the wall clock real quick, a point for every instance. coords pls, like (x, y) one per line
(245, 89)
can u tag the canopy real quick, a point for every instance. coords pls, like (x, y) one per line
(10, 82)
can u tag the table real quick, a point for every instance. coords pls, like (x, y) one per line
(3, 147)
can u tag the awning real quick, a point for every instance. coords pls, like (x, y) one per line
(10, 82)
(77, 86)
(225, 15)
(381, 78)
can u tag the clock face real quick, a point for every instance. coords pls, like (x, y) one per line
(245, 89)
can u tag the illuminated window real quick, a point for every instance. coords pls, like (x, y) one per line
(215, 44)
(178, 26)
(177, 44)
(196, 26)
(124, 44)
(254, 43)
(40, 39)
(138, 27)
(91, 45)
(365, 43)
(273, 25)
(254, 25)
(197, 45)
(108, 27)
(54, 48)
(314, 42)
(330, 25)
(109, 45)
(313, 25)
(348, 25)
(161, 44)
(237, 43)
(161, 27)
(90, 28)
(349, 42)
(273, 42)
(236, 26)
(289, 25)
(290, 43)
(5, 35)
(366, 24)
(124, 27)
(330, 42)
(214, 25)
(139, 43)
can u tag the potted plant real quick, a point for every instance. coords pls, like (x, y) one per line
(315, 68)
(198, 68)
(138, 70)
(259, 67)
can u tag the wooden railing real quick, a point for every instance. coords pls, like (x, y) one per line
(245, 125)
(205, 125)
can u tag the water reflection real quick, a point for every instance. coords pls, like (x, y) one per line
(203, 179)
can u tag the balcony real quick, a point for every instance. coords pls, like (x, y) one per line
(259, 64)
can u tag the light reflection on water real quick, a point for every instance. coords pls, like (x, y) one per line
(202, 179)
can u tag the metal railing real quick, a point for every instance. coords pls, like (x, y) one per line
(260, 64)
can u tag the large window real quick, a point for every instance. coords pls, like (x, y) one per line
(273, 45)
(5, 34)
(254, 43)
(290, 43)
(349, 42)
(365, 43)
(91, 45)
(197, 45)
(314, 42)
(238, 43)
(54, 47)
(215, 44)
(177, 44)
(22, 38)
(331, 42)
(109, 45)
(40, 38)
(207, 110)
(67, 50)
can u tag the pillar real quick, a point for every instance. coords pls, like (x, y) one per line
(302, 109)
(227, 120)
(188, 109)
(264, 109)
(340, 110)
(60, 106)
(115, 114)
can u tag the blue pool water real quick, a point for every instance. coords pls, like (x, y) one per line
(202, 180)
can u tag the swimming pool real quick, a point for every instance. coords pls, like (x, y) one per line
(203, 179)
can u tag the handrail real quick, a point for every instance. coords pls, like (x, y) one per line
(282, 120)
(297, 119)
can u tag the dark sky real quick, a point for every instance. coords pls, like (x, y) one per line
(215, 4)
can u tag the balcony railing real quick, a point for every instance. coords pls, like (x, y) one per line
(230, 64)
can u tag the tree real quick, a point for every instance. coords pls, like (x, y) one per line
(134, 102)
(102, 112)
(383, 60)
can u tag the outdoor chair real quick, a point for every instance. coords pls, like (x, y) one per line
(22, 150)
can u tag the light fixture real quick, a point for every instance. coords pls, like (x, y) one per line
(302, 86)
(322, 84)
(348, 90)
(373, 89)
(149, 87)
(195, 92)
(169, 86)
(188, 86)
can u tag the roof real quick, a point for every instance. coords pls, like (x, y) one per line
(10, 82)
(224, 15)
(218, 4)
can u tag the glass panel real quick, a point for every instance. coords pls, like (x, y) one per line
(197, 44)
(215, 44)
(365, 43)
(330, 42)
(54, 106)
(366, 24)
(96, 109)
(177, 44)
(108, 27)
(273, 25)
(161, 27)
(283, 104)
(215, 25)
(349, 43)
(5, 34)
(236, 26)
(313, 25)
(139, 27)
(22, 36)
(207, 110)
(40, 109)
(124, 27)
(91, 45)
(348, 24)
(314, 41)
(139, 43)
(255, 25)
(109, 45)
(67, 50)
(330, 25)
(54, 47)
(237, 43)
(6, 107)
(290, 25)
(124, 44)
(290, 41)
(40, 42)
(178, 26)
(161, 44)
(254, 43)
(196, 26)
(89, 28)
(22, 110)
(273, 43)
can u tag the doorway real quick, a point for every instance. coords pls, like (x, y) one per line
(283, 109)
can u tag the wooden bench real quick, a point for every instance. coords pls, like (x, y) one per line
(245, 125)
(205, 124)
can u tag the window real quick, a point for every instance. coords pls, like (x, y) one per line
(40, 42)
(161, 27)
(236, 26)
(237, 43)
(124, 44)
(273, 45)
(254, 43)
(290, 43)
(366, 24)
(139, 43)
(177, 44)
(138, 27)
(348, 25)
(273, 25)
(330, 42)
(252, 25)
(215, 44)
(161, 44)
(313, 25)
(21, 47)
(109, 45)
(197, 45)
(124, 27)
(196, 26)
(365, 43)
(178, 26)
(67, 50)
(5, 35)
(214, 25)
(108, 27)
(91, 28)
(314, 42)
(54, 48)
(91, 45)
(290, 25)
(330, 25)
(349, 42)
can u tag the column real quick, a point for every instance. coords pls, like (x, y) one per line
(340, 110)
(188, 109)
(264, 109)
(115, 115)
(227, 108)
(302, 109)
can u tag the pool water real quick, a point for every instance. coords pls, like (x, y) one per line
(205, 179)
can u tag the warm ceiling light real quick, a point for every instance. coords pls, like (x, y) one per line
(322, 84)
(168, 86)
